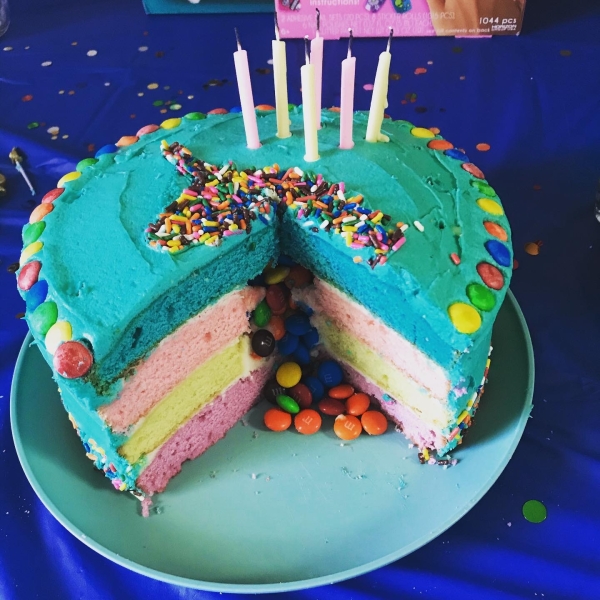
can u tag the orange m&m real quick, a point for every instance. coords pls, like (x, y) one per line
(374, 422)
(357, 404)
(307, 421)
(341, 392)
(276, 327)
(276, 419)
(347, 427)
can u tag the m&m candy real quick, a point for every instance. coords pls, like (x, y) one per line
(263, 342)
(330, 373)
(262, 314)
(298, 324)
(315, 386)
(341, 392)
(311, 338)
(357, 404)
(301, 394)
(307, 421)
(374, 422)
(276, 327)
(288, 374)
(276, 419)
(301, 354)
(331, 407)
(288, 344)
(347, 427)
(288, 404)
(271, 390)
(276, 299)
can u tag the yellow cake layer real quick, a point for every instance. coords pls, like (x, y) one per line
(383, 373)
(198, 389)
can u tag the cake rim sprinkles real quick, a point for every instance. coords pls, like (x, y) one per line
(453, 271)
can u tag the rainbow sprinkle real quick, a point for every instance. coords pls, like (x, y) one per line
(224, 201)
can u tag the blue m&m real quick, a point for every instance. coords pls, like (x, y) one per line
(315, 386)
(288, 344)
(298, 324)
(330, 373)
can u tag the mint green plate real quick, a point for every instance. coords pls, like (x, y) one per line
(266, 512)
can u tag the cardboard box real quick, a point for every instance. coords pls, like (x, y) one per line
(373, 18)
(172, 7)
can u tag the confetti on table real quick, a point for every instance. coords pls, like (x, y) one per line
(143, 48)
(533, 248)
(33, 125)
(534, 511)
(270, 61)
(74, 43)
(429, 62)
(537, 187)
(565, 53)
(457, 49)
(175, 106)
(368, 87)
(420, 71)
(483, 147)
(46, 63)
(462, 77)
(159, 54)
(53, 130)
(27, 98)
(157, 103)
(92, 52)
(140, 94)
(106, 83)
(515, 264)
(394, 76)
(7, 48)
(434, 130)
(152, 86)
(61, 91)
(263, 71)
(190, 97)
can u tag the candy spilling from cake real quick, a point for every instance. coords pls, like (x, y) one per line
(206, 268)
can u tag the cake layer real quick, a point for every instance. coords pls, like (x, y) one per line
(205, 428)
(432, 411)
(197, 390)
(413, 427)
(356, 320)
(180, 353)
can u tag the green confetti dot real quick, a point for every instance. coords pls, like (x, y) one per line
(534, 511)
(175, 107)
(33, 125)
(195, 116)
(157, 103)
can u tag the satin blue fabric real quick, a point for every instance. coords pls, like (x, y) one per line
(534, 103)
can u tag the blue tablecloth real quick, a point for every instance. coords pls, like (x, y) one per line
(535, 99)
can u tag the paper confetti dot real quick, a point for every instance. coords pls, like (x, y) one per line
(565, 53)
(462, 77)
(483, 147)
(46, 63)
(429, 62)
(420, 70)
(163, 110)
(534, 511)
(167, 87)
(532, 248)
(159, 54)
(74, 43)
(143, 48)
(132, 116)
(157, 103)
(515, 264)
(106, 83)
(53, 130)
(71, 92)
(175, 106)
(64, 137)
(92, 52)
(140, 94)
(394, 76)
(7, 48)
(27, 98)
(270, 61)
(27, 47)
(434, 130)
(54, 137)
(368, 87)
(33, 125)
(152, 86)
(61, 91)
(191, 97)
(457, 49)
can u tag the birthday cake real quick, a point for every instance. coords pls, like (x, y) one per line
(141, 270)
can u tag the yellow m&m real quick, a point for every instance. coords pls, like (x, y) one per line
(464, 317)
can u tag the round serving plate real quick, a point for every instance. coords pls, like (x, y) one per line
(266, 512)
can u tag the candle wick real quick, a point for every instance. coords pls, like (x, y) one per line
(318, 21)
(350, 39)
(237, 38)
(390, 40)
(276, 28)
(306, 50)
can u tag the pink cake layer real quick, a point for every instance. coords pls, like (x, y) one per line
(357, 320)
(179, 354)
(412, 427)
(205, 428)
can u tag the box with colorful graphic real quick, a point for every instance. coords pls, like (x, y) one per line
(373, 18)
